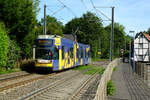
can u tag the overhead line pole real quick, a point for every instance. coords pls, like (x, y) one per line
(112, 35)
(44, 19)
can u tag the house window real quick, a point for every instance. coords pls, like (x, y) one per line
(140, 45)
(140, 57)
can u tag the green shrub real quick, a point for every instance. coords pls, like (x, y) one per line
(13, 53)
(4, 44)
(110, 88)
(114, 69)
(91, 69)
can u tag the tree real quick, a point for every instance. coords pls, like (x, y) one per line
(19, 17)
(53, 26)
(4, 44)
(148, 31)
(13, 54)
(119, 37)
(90, 30)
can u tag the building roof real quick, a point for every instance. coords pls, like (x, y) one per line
(147, 36)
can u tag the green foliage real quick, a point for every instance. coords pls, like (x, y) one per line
(98, 59)
(13, 55)
(4, 71)
(126, 53)
(119, 38)
(148, 31)
(90, 31)
(53, 26)
(110, 88)
(19, 17)
(90, 69)
(4, 44)
(114, 69)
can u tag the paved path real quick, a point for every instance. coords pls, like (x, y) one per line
(128, 86)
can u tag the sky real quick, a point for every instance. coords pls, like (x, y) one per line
(132, 14)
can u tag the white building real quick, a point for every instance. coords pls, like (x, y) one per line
(142, 47)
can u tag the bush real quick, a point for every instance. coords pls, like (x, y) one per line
(4, 44)
(110, 88)
(114, 69)
(13, 53)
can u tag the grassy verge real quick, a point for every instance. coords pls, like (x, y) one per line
(26, 65)
(114, 69)
(91, 69)
(98, 59)
(110, 88)
(4, 71)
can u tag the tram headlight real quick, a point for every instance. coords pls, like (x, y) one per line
(43, 61)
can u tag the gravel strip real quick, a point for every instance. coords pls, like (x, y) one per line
(28, 88)
(63, 90)
(9, 82)
(100, 63)
(14, 74)
(90, 91)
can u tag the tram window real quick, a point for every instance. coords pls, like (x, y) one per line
(85, 53)
(43, 54)
(56, 53)
(77, 53)
(71, 51)
(81, 53)
(89, 53)
(63, 50)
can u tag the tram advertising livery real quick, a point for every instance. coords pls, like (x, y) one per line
(57, 53)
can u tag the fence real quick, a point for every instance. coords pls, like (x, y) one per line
(143, 70)
(101, 91)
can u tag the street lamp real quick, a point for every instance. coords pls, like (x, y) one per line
(133, 52)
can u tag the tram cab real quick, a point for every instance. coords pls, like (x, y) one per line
(46, 52)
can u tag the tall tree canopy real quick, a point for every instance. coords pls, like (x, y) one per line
(53, 26)
(19, 17)
(90, 31)
(119, 37)
(4, 44)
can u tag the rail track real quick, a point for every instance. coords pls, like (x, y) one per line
(49, 92)
(13, 76)
(22, 82)
(77, 95)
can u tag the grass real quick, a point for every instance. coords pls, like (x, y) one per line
(110, 88)
(114, 69)
(90, 69)
(98, 59)
(4, 71)
(26, 64)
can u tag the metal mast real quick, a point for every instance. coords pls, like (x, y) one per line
(44, 19)
(112, 34)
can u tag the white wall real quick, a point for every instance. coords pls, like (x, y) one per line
(141, 51)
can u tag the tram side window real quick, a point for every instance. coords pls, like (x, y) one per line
(77, 53)
(81, 52)
(71, 51)
(85, 53)
(63, 51)
(56, 53)
(89, 53)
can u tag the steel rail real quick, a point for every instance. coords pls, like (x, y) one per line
(14, 77)
(72, 97)
(24, 82)
(51, 85)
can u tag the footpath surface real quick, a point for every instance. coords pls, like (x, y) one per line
(128, 85)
